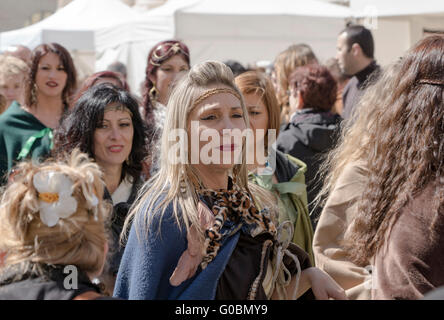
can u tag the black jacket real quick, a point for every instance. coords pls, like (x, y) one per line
(48, 285)
(308, 137)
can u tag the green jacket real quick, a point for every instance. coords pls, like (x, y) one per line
(292, 192)
(16, 128)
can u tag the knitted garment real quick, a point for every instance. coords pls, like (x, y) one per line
(233, 210)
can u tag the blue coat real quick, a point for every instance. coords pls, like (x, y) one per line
(148, 263)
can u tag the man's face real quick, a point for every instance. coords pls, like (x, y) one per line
(344, 56)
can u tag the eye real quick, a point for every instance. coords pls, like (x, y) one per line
(102, 126)
(61, 69)
(125, 124)
(210, 117)
(254, 113)
(237, 115)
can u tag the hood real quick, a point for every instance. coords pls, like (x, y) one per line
(316, 130)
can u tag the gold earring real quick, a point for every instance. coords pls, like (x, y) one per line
(153, 92)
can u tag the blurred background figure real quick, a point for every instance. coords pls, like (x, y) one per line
(21, 52)
(341, 79)
(236, 67)
(286, 62)
(165, 61)
(27, 130)
(102, 77)
(13, 74)
(118, 67)
(355, 55)
(312, 129)
(105, 123)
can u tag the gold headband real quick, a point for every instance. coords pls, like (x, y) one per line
(118, 107)
(175, 48)
(214, 91)
(431, 82)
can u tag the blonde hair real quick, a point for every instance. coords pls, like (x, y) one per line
(172, 177)
(2, 103)
(353, 140)
(11, 66)
(78, 240)
(286, 62)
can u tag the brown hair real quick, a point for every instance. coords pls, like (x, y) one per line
(405, 148)
(78, 240)
(294, 56)
(317, 86)
(257, 83)
(68, 65)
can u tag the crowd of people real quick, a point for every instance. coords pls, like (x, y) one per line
(334, 188)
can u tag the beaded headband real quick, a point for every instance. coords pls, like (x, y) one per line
(214, 91)
(119, 107)
(175, 48)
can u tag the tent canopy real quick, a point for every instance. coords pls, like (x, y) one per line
(253, 30)
(81, 25)
(393, 8)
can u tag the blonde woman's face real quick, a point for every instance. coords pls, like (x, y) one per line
(214, 120)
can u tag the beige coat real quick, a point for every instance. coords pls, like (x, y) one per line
(336, 217)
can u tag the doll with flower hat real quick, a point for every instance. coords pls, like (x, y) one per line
(53, 231)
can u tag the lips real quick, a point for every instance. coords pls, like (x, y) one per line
(52, 84)
(115, 148)
(228, 147)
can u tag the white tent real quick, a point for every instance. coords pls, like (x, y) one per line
(97, 32)
(398, 24)
(252, 30)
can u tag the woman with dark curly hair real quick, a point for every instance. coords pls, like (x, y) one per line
(399, 224)
(312, 128)
(105, 124)
(26, 131)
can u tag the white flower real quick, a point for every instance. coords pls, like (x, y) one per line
(55, 196)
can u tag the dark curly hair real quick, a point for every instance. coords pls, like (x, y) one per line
(316, 85)
(78, 127)
(405, 149)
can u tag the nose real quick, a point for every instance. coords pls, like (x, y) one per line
(115, 134)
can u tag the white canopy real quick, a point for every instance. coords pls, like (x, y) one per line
(253, 30)
(398, 24)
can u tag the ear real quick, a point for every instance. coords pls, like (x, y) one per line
(356, 50)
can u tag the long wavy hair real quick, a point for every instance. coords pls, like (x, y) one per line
(68, 66)
(404, 152)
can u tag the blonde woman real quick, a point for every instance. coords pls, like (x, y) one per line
(13, 73)
(345, 176)
(296, 55)
(196, 231)
(53, 231)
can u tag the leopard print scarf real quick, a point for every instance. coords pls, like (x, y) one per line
(233, 210)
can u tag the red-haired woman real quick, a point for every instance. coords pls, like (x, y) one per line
(102, 77)
(165, 60)
(312, 128)
(26, 131)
